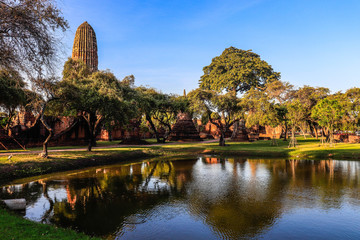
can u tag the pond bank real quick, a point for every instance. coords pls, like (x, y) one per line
(25, 165)
(22, 166)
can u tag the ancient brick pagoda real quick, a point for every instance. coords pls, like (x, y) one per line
(85, 46)
(184, 129)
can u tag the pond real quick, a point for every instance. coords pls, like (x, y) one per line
(203, 197)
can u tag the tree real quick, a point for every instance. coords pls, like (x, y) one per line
(220, 109)
(309, 97)
(160, 110)
(238, 71)
(13, 95)
(353, 108)
(41, 102)
(28, 34)
(97, 97)
(280, 92)
(261, 111)
(328, 112)
(295, 115)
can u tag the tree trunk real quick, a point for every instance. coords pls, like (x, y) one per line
(148, 118)
(286, 131)
(222, 139)
(8, 122)
(293, 142)
(303, 132)
(93, 122)
(167, 133)
(312, 128)
(44, 153)
(316, 133)
(90, 144)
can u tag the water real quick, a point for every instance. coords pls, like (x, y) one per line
(201, 198)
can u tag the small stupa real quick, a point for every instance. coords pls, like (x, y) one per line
(184, 129)
(85, 46)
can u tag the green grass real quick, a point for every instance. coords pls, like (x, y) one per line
(99, 143)
(309, 148)
(14, 227)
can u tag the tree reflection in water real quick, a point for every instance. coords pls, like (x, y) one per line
(234, 197)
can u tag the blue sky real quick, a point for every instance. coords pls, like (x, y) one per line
(165, 44)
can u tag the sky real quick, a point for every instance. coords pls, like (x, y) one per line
(166, 44)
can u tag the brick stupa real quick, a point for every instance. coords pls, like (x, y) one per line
(184, 129)
(85, 46)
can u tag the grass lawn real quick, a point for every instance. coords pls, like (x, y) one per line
(15, 227)
(309, 148)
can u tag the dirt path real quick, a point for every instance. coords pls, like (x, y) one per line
(99, 147)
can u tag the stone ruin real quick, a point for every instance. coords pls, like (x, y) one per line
(85, 46)
(184, 129)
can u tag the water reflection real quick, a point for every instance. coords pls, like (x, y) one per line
(206, 197)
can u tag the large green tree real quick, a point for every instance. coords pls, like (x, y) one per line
(97, 97)
(237, 70)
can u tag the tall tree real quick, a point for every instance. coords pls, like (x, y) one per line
(280, 93)
(238, 71)
(295, 115)
(328, 112)
(41, 102)
(261, 111)
(28, 39)
(97, 98)
(160, 110)
(309, 97)
(220, 109)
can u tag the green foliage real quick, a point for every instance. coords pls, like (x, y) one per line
(328, 112)
(237, 70)
(259, 110)
(97, 97)
(222, 110)
(159, 110)
(352, 96)
(75, 70)
(308, 97)
(11, 88)
(295, 113)
(13, 95)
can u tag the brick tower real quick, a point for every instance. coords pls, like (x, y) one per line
(85, 46)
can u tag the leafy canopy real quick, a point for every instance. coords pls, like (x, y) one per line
(29, 34)
(237, 70)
